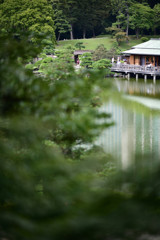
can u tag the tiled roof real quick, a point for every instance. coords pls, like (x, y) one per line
(151, 47)
(137, 51)
(151, 44)
(77, 52)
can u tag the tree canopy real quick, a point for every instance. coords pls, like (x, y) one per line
(141, 18)
(77, 19)
(33, 16)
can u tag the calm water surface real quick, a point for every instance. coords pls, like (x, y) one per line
(135, 131)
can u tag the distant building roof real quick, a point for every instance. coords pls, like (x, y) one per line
(79, 52)
(151, 47)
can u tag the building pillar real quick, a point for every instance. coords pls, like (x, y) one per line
(154, 79)
(128, 75)
(137, 77)
(145, 77)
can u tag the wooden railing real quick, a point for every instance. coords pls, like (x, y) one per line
(129, 68)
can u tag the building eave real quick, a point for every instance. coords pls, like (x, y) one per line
(143, 52)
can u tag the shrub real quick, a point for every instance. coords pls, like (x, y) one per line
(86, 60)
(144, 39)
(47, 60)
(79, 45)
(100, 53)
(29, 66)
(38, 63)
(102, 64)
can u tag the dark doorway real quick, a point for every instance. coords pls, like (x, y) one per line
(142, 60)
(75, 58)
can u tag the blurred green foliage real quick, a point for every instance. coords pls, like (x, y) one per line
(49, 187)
(42, 120)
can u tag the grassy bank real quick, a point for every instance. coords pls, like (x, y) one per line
(106, 40)
(92, 43)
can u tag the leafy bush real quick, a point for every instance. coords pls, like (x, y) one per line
(144, 39)
(38, 63)
(79, 45)
(100, 53)
(102, 64)
(49, 47)
(86, 60)
(29, 66)
(42, 55)
(47, 60)
(66, 54)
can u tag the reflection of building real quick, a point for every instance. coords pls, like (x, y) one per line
(142, 59)
(133, 133)
(137, 88)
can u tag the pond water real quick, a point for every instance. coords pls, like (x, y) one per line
(137, 124)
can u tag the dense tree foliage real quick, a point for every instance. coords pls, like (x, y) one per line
(68, 10)
(121, 9)
(23, 16)
(79, 18)
(131, 15)
(156, 18)
(93, 16)
(141, 18)
(58, 111)
(62, 25)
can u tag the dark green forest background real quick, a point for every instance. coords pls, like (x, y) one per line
(81, 18)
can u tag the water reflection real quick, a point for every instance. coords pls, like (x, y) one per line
(134, 132)
(141, 88)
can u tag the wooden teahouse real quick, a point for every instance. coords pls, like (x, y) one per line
(142, 59)
(145, 53)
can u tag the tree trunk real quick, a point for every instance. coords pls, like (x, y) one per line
(84, 33)
(119, 25)
(59, 35)
(71, 32)
(93, 32)
(137, 33)
(127, 28)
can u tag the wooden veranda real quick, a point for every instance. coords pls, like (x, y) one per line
(136, 69)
